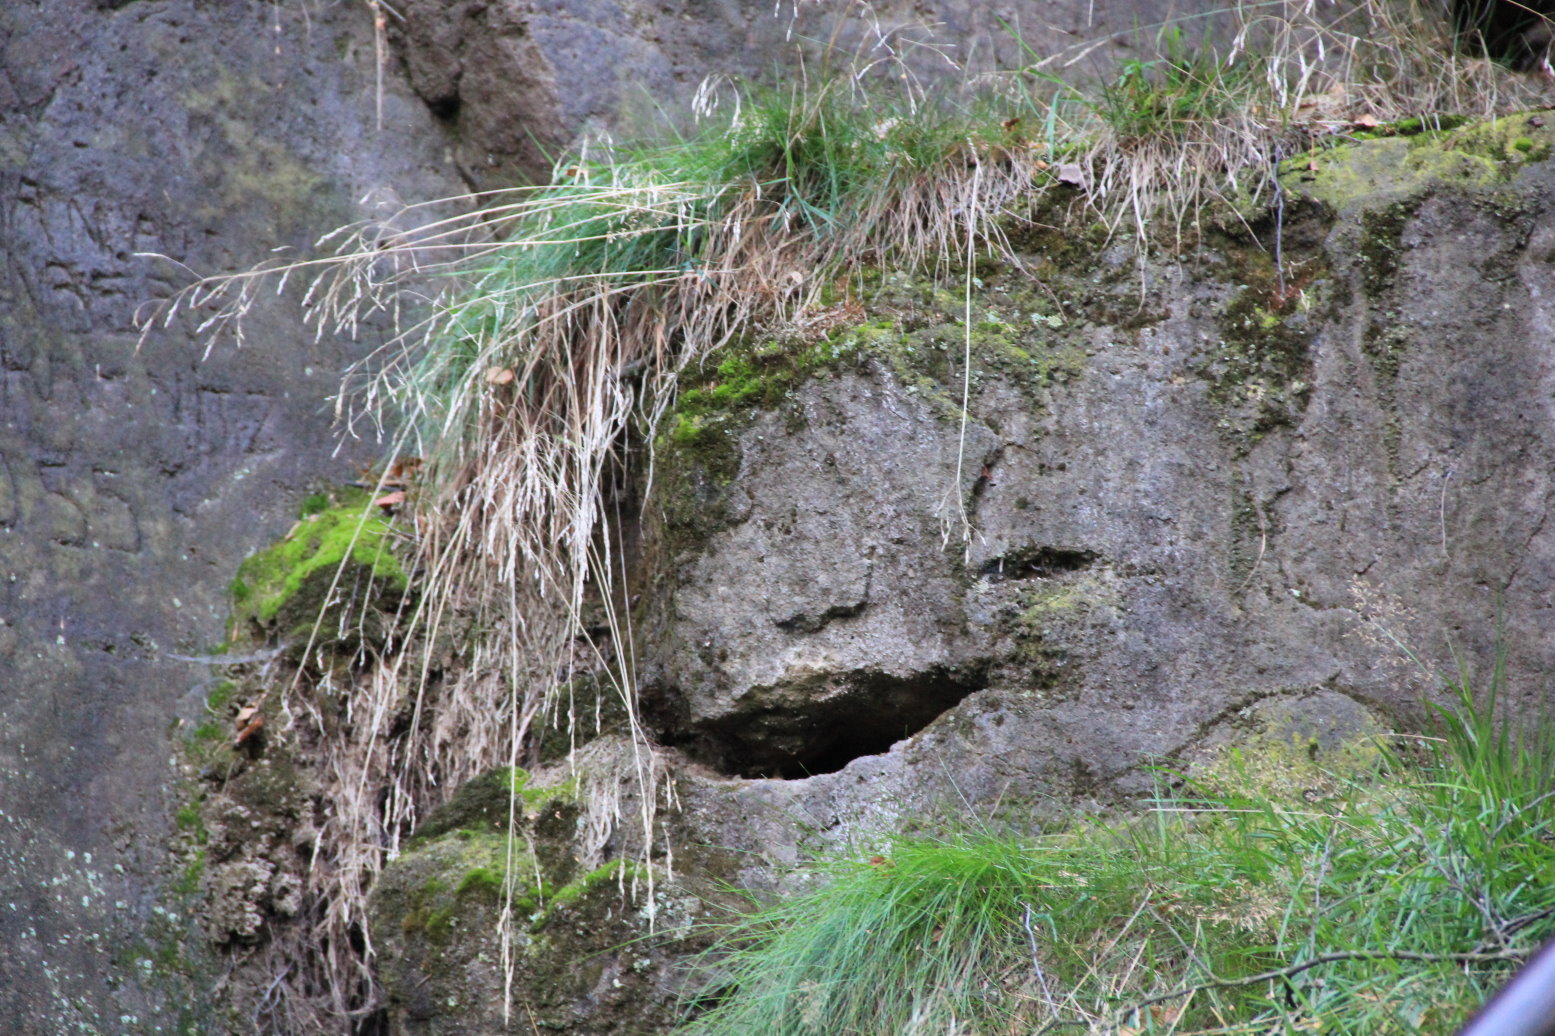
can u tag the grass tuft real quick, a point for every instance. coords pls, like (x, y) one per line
(1395, 904)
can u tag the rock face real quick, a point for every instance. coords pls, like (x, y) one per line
(584, 955)
(1170, 495)
(132, 481)
(1180, 503)
(1200, 495)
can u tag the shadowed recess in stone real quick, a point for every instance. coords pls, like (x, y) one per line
(1037, 563)
(830, 720)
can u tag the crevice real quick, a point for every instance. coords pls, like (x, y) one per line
(1037, 563)
(823, 724)
(804, 622)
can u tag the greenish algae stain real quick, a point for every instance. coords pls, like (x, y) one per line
(1259, 373)
(487, 802)
(918, 332)
(460, 877)
(1373, 174)
(289, 583)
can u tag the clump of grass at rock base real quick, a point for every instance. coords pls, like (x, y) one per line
(567, 313)
(1393, 898)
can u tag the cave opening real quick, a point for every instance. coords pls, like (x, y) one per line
(854, 715)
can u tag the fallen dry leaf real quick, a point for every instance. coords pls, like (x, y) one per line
(403, 469)
(252, 727)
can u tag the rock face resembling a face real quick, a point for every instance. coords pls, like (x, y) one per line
(1212, 507)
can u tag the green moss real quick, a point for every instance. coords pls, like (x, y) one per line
(458, 878)
(454, 882)
(920, 332)
(484, 803)
(1015, 336)
(348, 547)
(572, 895)
(1379, 172)
(697, 448)
(188, 880)
(483, 881)
(188, 819)
(208, 732)
(314, 503)
(1286, 765)
(221, 695)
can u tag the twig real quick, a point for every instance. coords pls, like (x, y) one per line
(1517, 924)
(1036, 964)
(1441, 511)
(1332, 958)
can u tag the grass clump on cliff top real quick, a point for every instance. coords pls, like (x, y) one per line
(1394, 901)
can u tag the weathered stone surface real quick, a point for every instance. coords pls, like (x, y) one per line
(856, 631)
(1196, 525)
(1169, 506)
(132, 481)
(1185, 506)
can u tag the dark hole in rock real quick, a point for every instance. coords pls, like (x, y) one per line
(822, 725)
(374, 1024)
(445, 108)
(1037, 563)
(1516, 32)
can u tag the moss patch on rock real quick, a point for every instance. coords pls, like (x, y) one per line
(580, 962)
(917, 329)
(1298, 746)
(340, 555)
(486, 803)
(1371, 174)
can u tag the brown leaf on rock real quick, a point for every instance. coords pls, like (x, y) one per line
(403, 470)
(254, 723)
